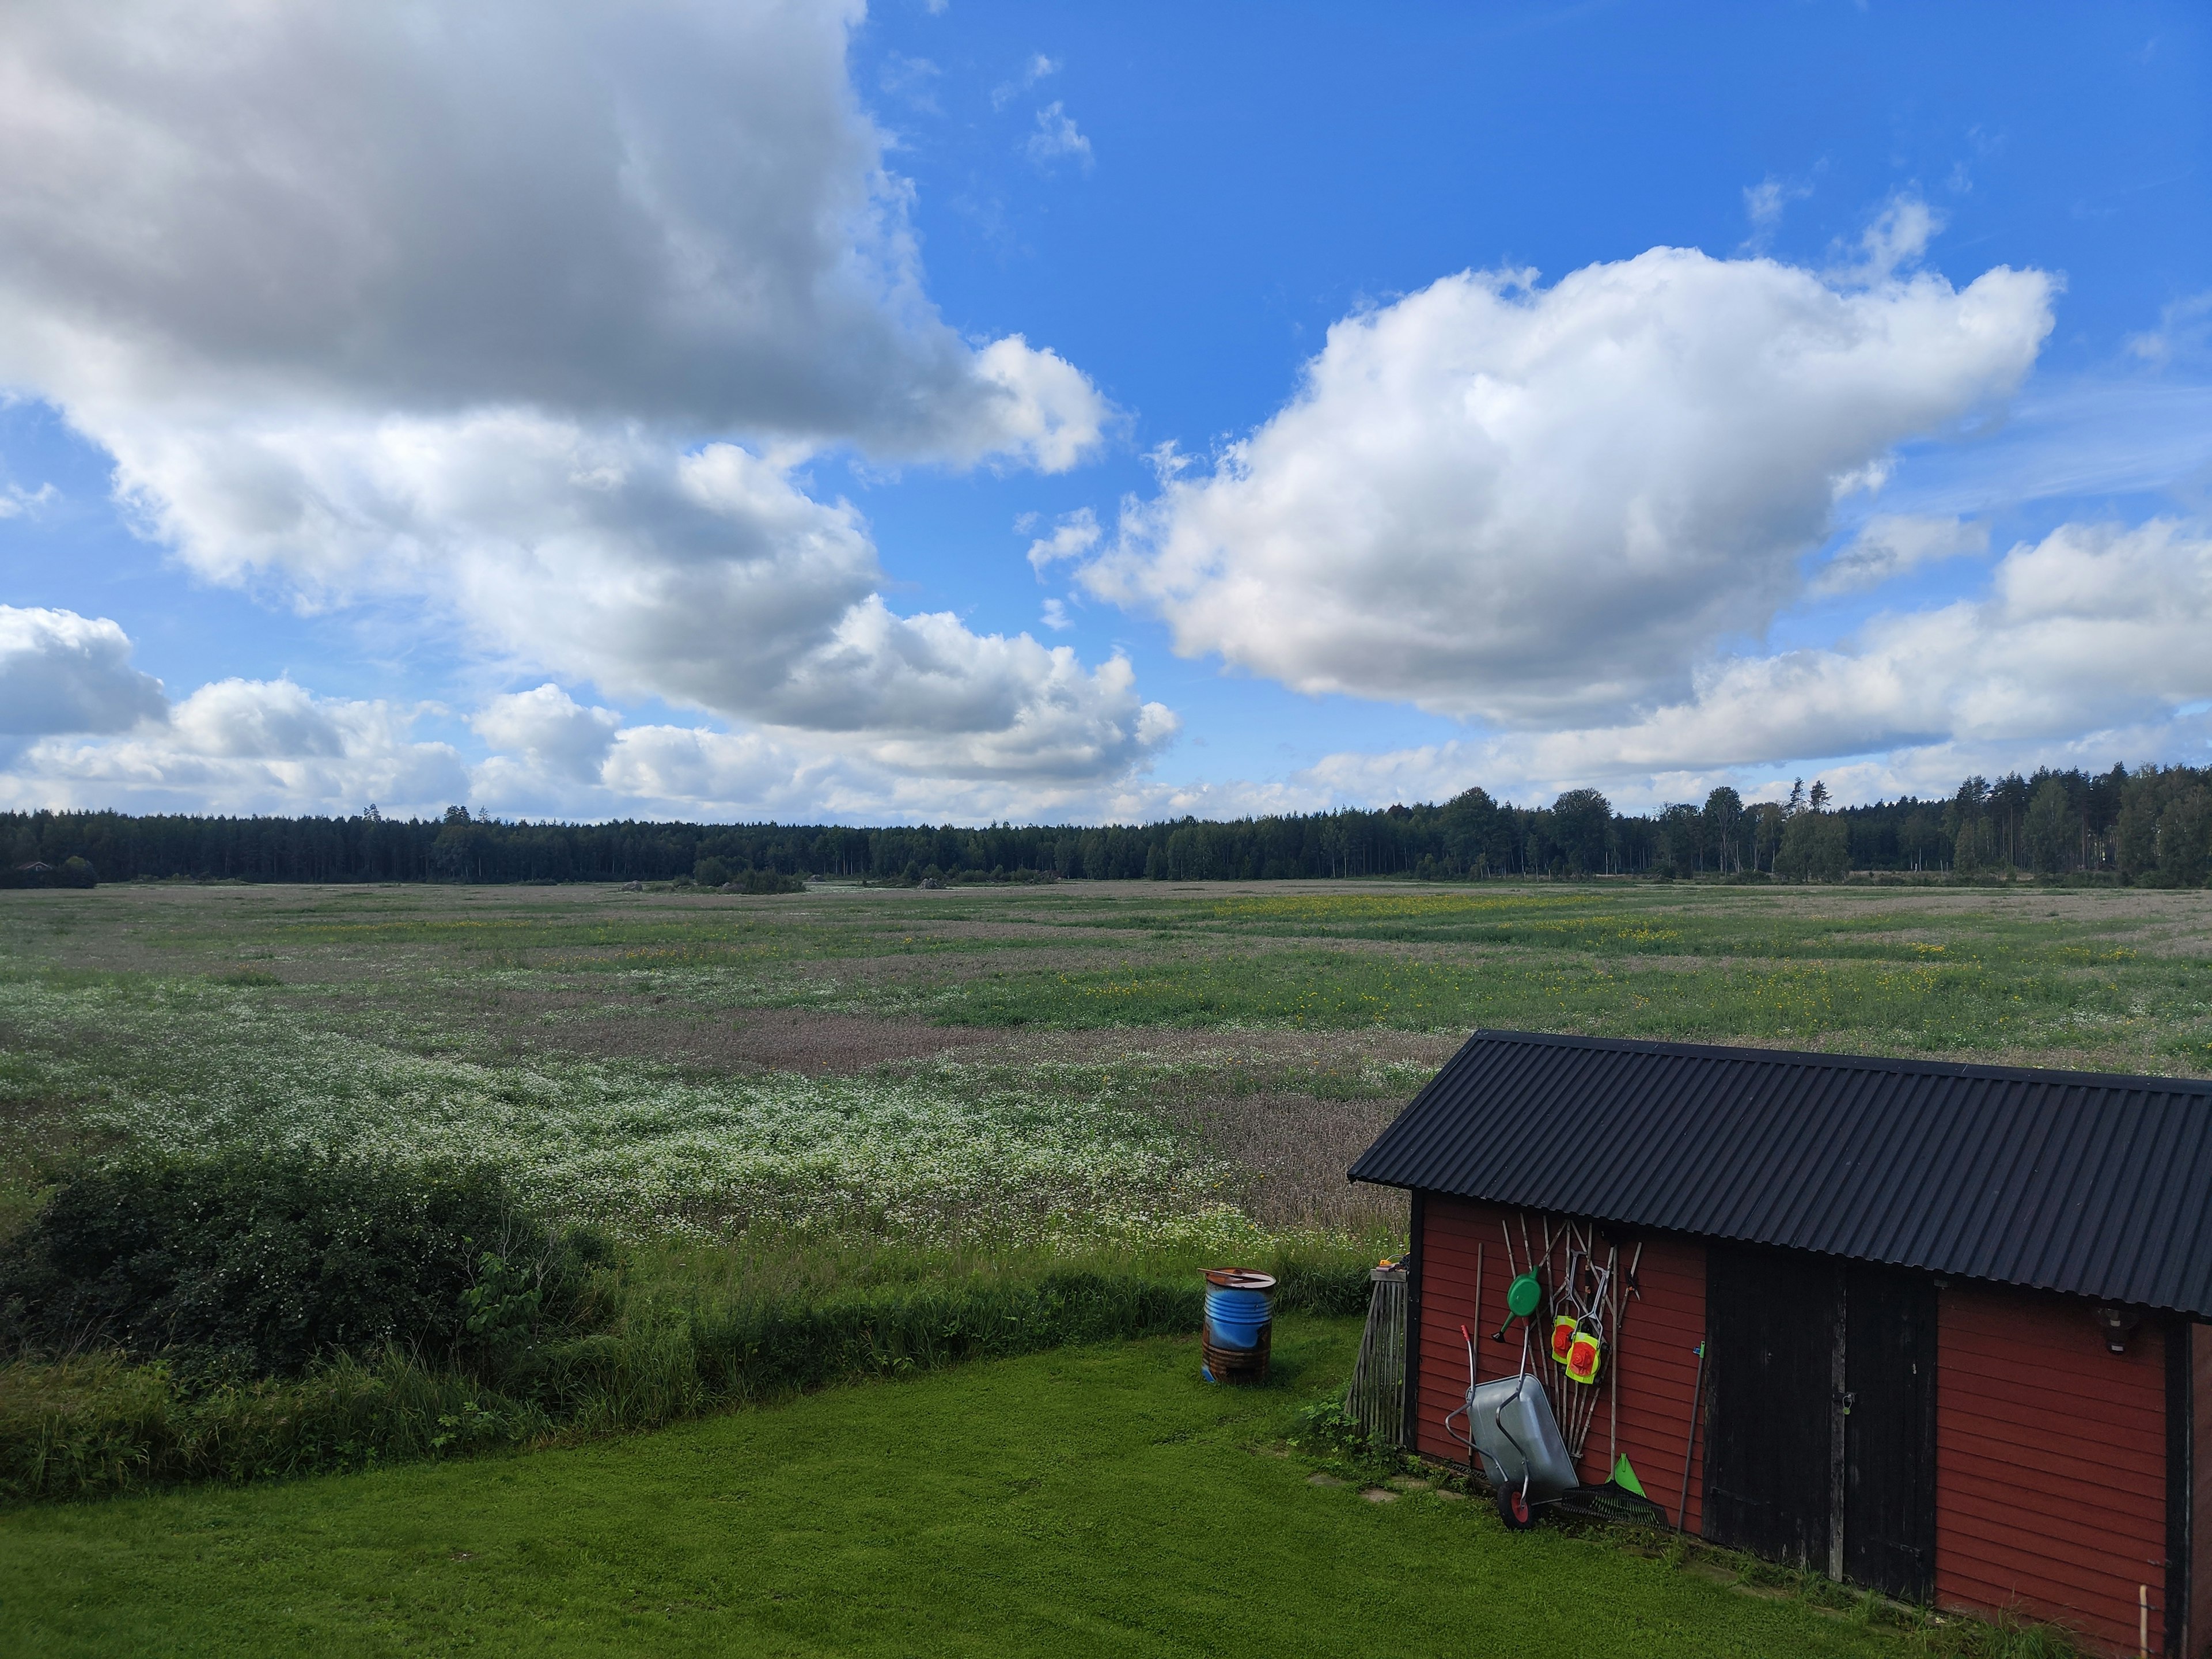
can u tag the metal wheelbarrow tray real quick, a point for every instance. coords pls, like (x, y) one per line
(1512, 1431)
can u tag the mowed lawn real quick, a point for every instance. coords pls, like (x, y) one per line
(1100, 1500)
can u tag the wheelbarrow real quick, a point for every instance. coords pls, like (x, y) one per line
(1511, 1431)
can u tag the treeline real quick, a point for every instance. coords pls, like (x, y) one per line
(2152, 824)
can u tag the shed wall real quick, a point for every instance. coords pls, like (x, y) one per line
(2200, 1530)
(1656, 1359)
(2050, 1459)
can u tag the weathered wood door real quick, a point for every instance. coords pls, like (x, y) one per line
(1771, 1326)
(1889, 1432)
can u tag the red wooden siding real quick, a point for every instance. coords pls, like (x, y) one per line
(2200, 1507)
(1453, 1231)
(1658, 1365)
(1656, 1357)
(2050, 1464)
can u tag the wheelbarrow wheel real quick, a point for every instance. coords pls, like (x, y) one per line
(1515, 1509)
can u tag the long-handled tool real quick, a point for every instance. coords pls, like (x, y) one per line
(1690, 1446)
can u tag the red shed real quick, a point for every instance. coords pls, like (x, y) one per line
(1938, 1330)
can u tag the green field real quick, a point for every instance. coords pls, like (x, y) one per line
(1007, 1062)
(856, 1134)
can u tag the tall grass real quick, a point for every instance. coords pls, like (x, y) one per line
(665, 1347)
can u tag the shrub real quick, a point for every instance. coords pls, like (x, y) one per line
(710, 872)
(256, 1264)
(96, 1425)
(770, 881)
(621, 1355)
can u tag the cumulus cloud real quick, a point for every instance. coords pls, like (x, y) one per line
(1891, 544)
(674, 212)
(549, 732)
(2092, 628)
(709, 580)
(61, 672)
(691, 772)
(247, 746)
(2088, 645)
(373, 302)
(1540, 506)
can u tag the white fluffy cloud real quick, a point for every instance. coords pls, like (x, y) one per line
(1539, 504)
(396, 302)
(708, 580)
(247, 746)
(61, 672)
(2089, 646)
(550, 733)
(2094, 627)
(689, 772)
(673, 210)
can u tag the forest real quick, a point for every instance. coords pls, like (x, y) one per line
(2152, 824)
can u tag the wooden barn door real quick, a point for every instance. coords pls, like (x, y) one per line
(1889, 1432)
(1772, 1322)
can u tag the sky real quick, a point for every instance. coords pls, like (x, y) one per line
(947, 412)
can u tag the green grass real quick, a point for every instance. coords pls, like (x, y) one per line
(1099, 1500)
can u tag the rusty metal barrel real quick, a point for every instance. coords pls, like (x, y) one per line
(1240, 1313)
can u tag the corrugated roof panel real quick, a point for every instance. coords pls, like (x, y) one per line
(2067, 1181)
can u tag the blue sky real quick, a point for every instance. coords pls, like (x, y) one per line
(388, 443)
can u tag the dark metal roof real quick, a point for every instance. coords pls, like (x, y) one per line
(2065, 1181)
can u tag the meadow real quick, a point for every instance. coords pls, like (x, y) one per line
(1088, 1063)
(864, 1134)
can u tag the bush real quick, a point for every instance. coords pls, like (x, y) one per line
(259, 1264)
(97, 1425)
(539, 1355)
(710, 872)
(769, 881)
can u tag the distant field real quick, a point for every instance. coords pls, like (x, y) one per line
(1097, 1500)
(1133, 1060)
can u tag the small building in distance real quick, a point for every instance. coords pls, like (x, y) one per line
(1940, 1329)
